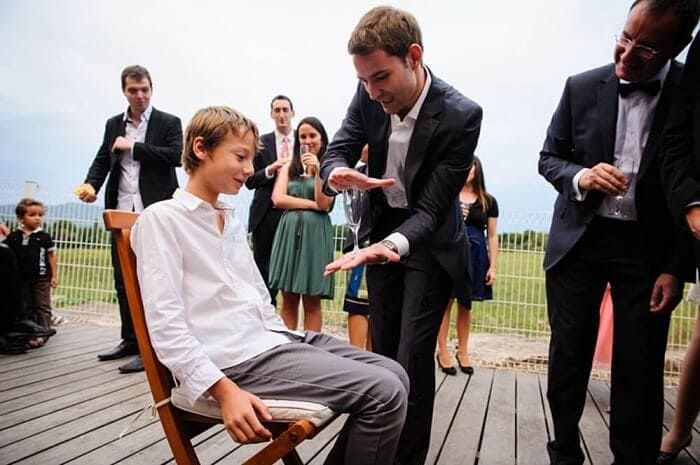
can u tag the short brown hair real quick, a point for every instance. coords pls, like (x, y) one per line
(686, 11)
(24, 204)
(385, 28)
(213, 124)
(136, 72)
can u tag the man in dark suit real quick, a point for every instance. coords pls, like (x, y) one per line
(263, 219)
(611, 224)
(681, 172)
(140, 150)
(421, 134)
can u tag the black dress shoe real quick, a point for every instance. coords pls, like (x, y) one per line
(667, 458)
(124, 349)
(447, 370)
(467, 369)
(29, 328)
(133, 366)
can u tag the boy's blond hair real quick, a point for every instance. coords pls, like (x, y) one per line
(385, 28)
(213, 124)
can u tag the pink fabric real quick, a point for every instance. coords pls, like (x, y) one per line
(603, 349)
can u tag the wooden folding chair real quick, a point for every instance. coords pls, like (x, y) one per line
(292, 423)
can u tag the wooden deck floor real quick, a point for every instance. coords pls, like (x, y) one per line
(58, 404)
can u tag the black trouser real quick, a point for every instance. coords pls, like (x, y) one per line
(609, 251)
(406, 309)
(11, 308)
(262, 237)
(128, 334)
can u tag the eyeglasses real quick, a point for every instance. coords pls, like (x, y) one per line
(643, 50)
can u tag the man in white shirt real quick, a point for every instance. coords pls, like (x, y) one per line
(277, 149)
(611, 225)
(140, 150)
(212, 324)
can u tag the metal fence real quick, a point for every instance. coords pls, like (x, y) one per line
(509, 331)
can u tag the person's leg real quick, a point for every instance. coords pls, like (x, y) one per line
(10, 300)
(443, 353)
(127, 333)
(313, 319)
(464, 321)
(574, 289)
(321, 369)
(358, 330)
(262, 238)
(425, 298)
(385, 293)
(688, 396)
(290, 309)
(42, 302)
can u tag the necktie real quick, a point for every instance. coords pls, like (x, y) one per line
(649, 88)
(285, 147)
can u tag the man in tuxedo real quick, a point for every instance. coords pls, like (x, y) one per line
(263, 219)
(611, 224)
(681, 172)
(422, 134)
(140, 150)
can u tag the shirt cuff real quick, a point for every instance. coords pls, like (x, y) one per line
(576, 193)
(693, 204)
(268, 175)
(401, 243)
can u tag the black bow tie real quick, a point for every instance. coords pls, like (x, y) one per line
(649, 88)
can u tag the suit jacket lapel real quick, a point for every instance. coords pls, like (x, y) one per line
(422, 133)
(607, 115)
(654, 139)
(153, 126)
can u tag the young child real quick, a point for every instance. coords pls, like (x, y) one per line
(211, 321)
(36, 258)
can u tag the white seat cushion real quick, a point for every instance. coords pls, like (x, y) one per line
(281, 410)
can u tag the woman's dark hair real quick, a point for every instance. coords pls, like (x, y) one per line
(479, 184)
(296, 169)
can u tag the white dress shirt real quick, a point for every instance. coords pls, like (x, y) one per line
(635, 115)
(206, 305)
(129, 196)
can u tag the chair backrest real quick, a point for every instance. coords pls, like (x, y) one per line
(159, 377)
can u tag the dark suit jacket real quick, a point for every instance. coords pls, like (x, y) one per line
(438, 160)
(159, 155)
(582, 134)
(262, 198)
(681, 141)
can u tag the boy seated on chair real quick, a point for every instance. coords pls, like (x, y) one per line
(210, 318)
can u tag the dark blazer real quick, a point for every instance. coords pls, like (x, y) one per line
(262, 198)
(582, 134)
(681, 141)
(438, 160)
(159, 155)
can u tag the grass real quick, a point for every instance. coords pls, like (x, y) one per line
(518, 308)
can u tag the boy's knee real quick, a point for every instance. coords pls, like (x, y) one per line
(395, 368)
(393, 389)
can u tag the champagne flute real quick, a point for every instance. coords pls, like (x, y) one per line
(353, 203)
(303, 148)
(626, 165)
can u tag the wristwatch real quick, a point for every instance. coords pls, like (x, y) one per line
(390, 245)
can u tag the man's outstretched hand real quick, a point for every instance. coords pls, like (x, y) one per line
(375, 253)
(347, 178)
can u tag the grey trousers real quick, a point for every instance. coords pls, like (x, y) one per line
(371, 388)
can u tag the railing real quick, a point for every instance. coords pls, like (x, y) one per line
(510, 331)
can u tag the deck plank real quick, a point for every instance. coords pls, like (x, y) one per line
(498, 445)
(531, 430)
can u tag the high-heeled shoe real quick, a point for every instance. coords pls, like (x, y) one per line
(667, 458)
(451, 370)
(467, 369)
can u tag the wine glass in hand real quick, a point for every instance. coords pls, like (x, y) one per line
(303, 148)
(353, 203)
(626, 165)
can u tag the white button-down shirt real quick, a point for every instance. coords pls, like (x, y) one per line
(129, 197)
(206, 305)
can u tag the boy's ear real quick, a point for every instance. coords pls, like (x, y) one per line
(198, 148)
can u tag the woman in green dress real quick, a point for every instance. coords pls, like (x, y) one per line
(303, 242)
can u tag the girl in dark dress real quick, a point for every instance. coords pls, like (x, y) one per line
(480, 213)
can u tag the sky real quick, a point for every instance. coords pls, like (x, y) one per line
(61, 61)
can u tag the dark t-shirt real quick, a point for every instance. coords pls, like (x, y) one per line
(32, 252)
(477, 217)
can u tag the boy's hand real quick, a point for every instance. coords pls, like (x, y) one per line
(85, 192)
(240, 410)
(54, 282)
